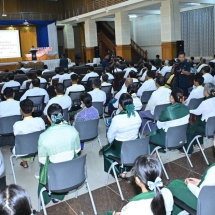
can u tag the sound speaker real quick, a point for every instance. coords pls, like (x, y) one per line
(179, 46)
(96, 52)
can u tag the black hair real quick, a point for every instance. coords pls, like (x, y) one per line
(57, 70)
(14, 200)
(10, 76)
(132, 88)
(26, 106)
(60, 88)
(157, 56)
(6, 70)
(132, 74)
(149, 67)
(36, 82)
(152, 62)
(203, 60)
(171, 63)
(108, 69)
(160, 80)
(55, 109)
(45, 67)
(125, 99)
(206, 69)
(150, 74)
(212, 65)
(22, 65)
(65, 70)
(192, 58)
(105, 77)
(131, 64)
(177, 94)
(74, 77)
(39, 72)
(198, 78)
(8, 92)
(181, 53)
(30, 75)
(86, 98)
(91, 68)
(147, 168)
(97, 83)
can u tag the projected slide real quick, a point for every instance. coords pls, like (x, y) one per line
(9, 44)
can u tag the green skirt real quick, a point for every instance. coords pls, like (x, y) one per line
(157, 139)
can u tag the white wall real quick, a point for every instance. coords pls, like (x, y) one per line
(146, 32)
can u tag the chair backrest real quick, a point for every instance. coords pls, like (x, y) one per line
(48, 75)
(67, 176)
(55, 81)
(205, 203)
(20, 78)
(43, 85)
(28, 83)
(27, 144)
(194, 103)
(88, 130)
(210, 127)
(90, 83)
(15, 89)
(6, 124)
(107, 90)
(134, 148)
(176, 136)
(158, 110)
(66, 114)
(67, 83)
(146, 96)
(166, 76)
(110, 81)
(75, 97)
(38, 102)
(99, 106)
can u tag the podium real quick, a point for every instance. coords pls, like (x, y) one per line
(33, 52)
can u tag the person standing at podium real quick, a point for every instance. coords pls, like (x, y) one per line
(63, 62)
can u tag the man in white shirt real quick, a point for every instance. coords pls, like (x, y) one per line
(152, 64)
(117, 69)
(45, 67)
(208, 78)
(148, 85)
(36, 91)
(75, 86)
(127, 70)
(10, 107)
(105, 82)
(213, 61)
(25, 70)
(42, 80)
(57, 76)
(97, 94)
(90, 73)
(63, 100)
(108, 73)
(67, 75)
(202, 64)
(10, 83)
(30, 76)
(198, 90)
(166, 68)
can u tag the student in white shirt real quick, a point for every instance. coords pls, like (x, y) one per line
(108, 73)
(208, 78)
(132, 74)
(63, 100)
(90, 73)
(148, 85)
(143, 72)
(45, 67)
(117, 69)
(213, 61)
(198, 90)
(154, 198)
(57, 76)
(36, 91)
(42, 80)
(127, 71)
(30, 76)
(202, 64)
(28, 124)
(166, 68)
(10, 83)
(25, 70)
(97, 94)
(75, 86)
(152, 64)
(67, 74)
(105, 82)
(10, 107)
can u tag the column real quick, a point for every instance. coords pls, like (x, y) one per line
(123, 35)
(90, 39)
(170, 28)
(69, 43)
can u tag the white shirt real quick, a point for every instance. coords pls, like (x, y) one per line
(98, 95)
(143, 78)
(55, 77)
(196, 93)
(154, 68)
(164, 70)
(36, 91)
(65, 77)
(117, 70)
(213, 61)
(206, 109)
(10, 107)
(128, 70)
(74, 88)
(42, 80)
(123, 128)
(46, 70)
(110, 76)
(158, 97)
(89, 75)
(148, 85)
(123, 90)
(104, 84)
(10, 84)
(200, 67)
(63, 100)
(208, 78)
(25, 70)
(24, 84)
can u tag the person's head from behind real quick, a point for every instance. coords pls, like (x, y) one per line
(132, 74)
(10, 76)
(205, 69)
(30, 75)
(36, 82)
(91, 69)
(181, 56)
(147, 171)
(170, 63)
(160, 81)
(55, 114)
(74, 78)
(86, 100)
(128, 81)
(131, 89)
(15, 201)
(149, 75)
(198, 80)
(107, 69)
(27, 107)
(57, 70)
(22, 65)
(96, 83)
(59, 89)
(131, 64)
(45, 67)
(152, 62)
(104, 78)
(157, 56)
(8, 93)
(203, 61)
(176, 96)
(65, 70)
(6, 70)
(211, 65)
(191, 59)
(39, 73)
(166, 62)
(126, 104)
(209, 90)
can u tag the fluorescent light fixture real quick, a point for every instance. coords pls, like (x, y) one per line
(133, 16)
(4, 14)
(194, 4)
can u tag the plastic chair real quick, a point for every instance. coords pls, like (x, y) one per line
(175, 139)
(194, 103)
(209, 133)
(166, 76)
(67, 83)
(88, 130)
(26, 145)
(76, 99)
(111, 81)
(100, 107)
(38, 104)
(146, 96)
(66, 115)
(43, 85)
(129, 152)
(90, 83)
(61, 179)
(107, 90)
(15, 89)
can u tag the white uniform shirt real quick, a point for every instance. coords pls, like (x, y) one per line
(65, 77)
(206, 109)
(98, 95)
(200, 67)
(110, 76)
(46, 70)
(42, 81)
(154, 68)
(36, 91)
(164, 70)
(89, 75)
(10, 84)
(196, 93)
(213, 61)
(148, 85)
(143, 78)
(117, 70)
(55, 77)
(10, 107)
(63, 100)
(123, 90)
(74, 88)
(123, 128)
(208, 78)
(24, 84)
(25, 70)
(158, 97)
(128, 70)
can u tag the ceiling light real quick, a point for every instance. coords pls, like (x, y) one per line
(194, 4)
(133, 16)
(3, 12)
(26, 23)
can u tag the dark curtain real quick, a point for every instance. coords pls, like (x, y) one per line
(42, 36)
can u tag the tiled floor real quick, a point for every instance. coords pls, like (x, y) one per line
(105, 197)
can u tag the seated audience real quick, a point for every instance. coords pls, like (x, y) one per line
(97, 94)
(42, 80)
(27, 125)
(201, 64)
(208, 78)
(108, 73)
(10, 83)
(65, 144)
(104, 79)
(30, 76)
(132, 75)
(9, 107)
(143, 72)
(154, 197)
(90, 74)
(191, 61)
(75, 86)
(213, 60)
(57, 76)
(2, 172)
(148, 85)
(117, 69)
(130, 68)
(152, 64)
(212, 68)
(45, 69)
(167, 68)
(36, 91)
(25, 70)
(67, 74)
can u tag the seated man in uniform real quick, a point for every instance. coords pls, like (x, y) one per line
(10, 83)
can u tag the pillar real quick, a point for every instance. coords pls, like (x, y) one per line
(69, 43)
(170, 28)
(90, 39)
(123, 35)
